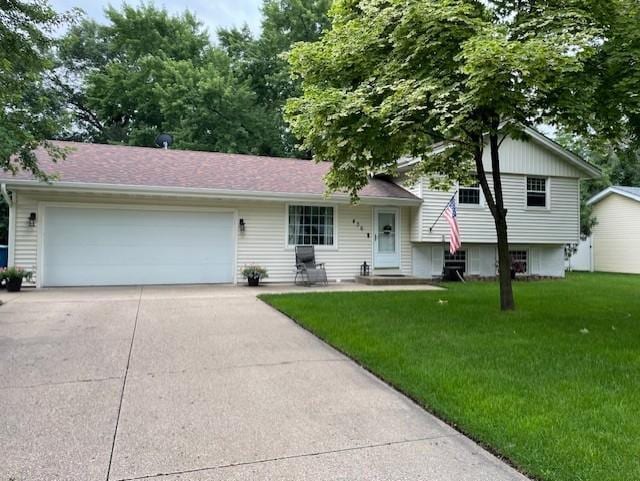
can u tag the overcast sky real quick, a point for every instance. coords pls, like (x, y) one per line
(213, 13)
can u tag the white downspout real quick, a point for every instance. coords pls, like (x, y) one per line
(12, 223)
(5, 195)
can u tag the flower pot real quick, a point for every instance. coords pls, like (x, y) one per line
(253, 281)
(14, 284)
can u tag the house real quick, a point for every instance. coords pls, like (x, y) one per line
(615, 239)
(131, 215)
(541, 189)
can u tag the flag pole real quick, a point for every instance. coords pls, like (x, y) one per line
(445, 208)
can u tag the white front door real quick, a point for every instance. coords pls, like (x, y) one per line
(386, 238)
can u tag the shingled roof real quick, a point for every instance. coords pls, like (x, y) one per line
(118, 165)
(632, 193)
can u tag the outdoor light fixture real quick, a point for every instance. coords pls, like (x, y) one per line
(32, 219)
(364, 269)
(241, 225)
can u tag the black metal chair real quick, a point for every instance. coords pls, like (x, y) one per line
(307, 269)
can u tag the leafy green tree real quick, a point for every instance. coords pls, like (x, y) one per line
(147, 72)
(615, 109)
(261, 62)
(208, 108)
(29, 115)
(391, 79)
(620, 165)
(103, 70)
(608, 128)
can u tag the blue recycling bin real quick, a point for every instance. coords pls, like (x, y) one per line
(4, 255)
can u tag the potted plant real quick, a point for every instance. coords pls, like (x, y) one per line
(253, 273)
(13, 277)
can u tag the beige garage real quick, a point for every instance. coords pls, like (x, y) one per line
(616, 237)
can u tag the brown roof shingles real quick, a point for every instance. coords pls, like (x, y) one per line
(150, 167)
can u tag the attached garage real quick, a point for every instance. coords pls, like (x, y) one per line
(122, 215)
(91, 246)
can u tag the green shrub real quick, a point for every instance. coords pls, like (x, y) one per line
(253, 271)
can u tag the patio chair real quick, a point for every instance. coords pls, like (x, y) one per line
(307, 269)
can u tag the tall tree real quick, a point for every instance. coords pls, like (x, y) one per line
(29, 116)
(607, 130)
(619, 162)
(614, 116)
(390, 79)
(147, 71)
(261, 62)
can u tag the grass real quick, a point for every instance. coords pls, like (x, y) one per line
(554, 387)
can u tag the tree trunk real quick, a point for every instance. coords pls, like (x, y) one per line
(507, 302)
(495, 201)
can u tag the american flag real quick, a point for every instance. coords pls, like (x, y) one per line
(451, 214)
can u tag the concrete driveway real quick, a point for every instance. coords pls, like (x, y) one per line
(202, 383)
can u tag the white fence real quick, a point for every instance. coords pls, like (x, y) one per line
(582, 260)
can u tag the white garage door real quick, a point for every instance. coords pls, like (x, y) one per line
(115, 246)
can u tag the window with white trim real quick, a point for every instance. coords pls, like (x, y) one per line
(536, 192)
(469, 194)
(310, 225)
(457, 260)
(519, 261)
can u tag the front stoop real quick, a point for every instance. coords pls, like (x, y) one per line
(391, 280)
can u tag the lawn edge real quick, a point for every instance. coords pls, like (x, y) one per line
(493, 451)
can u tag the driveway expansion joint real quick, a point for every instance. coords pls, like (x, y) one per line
(124, 384)
(293, 456)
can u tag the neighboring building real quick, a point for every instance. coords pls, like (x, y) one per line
(131, 215)
(615, 240)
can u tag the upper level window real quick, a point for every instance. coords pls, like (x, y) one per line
(310, 225)
(469, 194)
(536, 192)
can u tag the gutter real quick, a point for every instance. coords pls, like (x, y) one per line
(80, 187)
(11, 234)
(5, 195)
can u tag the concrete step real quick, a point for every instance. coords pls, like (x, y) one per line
(393, 280)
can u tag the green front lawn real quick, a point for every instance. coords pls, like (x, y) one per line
(554, 387)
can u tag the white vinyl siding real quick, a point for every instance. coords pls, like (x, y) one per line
(26, 239)
(616, 236)
(481, 259)
(559, 223)
(264, 240)
(473, 260)
(517, 157)
(406, 247)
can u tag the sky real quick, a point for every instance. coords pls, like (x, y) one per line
(212, 13)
